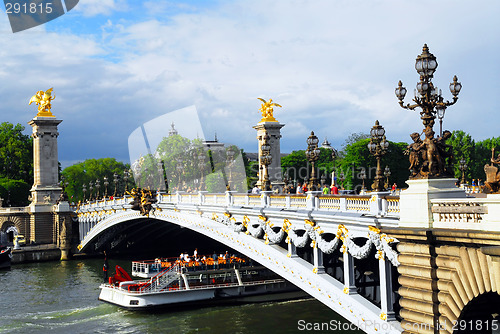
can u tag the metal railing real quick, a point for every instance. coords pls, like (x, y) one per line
(162, 280)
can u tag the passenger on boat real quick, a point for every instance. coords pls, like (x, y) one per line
(214, 258)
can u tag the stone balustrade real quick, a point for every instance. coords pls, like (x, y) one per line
(467, 213)
(379, 205)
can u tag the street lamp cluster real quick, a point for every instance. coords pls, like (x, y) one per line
(312, 155)
(430, 100)
(378, 146)
(97, 185)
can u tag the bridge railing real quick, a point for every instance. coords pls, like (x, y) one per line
(377, 204)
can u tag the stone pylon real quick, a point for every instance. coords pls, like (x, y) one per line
(46, 190)
(273, 129)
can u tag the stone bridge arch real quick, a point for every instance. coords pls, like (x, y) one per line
(10, 226)
(448, 281)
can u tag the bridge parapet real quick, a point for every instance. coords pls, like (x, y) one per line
(15, 210)
(467, 213)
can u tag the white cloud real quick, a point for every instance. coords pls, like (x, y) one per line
(99, 7)
(333, 65)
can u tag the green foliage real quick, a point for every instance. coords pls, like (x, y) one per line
(16, 153)
(476, 155)
(14, 192)
(215, 183)
(296, 167)
(251, 171)
(483, 156)
(354, 138)
(358, 157)
(91, 170)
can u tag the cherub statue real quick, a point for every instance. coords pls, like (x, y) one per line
(415, 154)
(267, 110)
(43, 100)
(445, 150)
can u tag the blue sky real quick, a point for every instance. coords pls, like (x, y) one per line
(332, 64)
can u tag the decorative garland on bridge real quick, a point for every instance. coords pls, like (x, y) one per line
(274, 234)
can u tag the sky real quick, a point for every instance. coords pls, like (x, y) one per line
(333, 65)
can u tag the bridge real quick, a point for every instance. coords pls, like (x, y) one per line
(358, 255)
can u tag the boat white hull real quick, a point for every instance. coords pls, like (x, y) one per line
(247, 293)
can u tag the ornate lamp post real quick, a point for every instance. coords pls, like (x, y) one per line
(161, 176)
(126, 175)
(463, 167)
(84, 189)
(97, 186)
(266, 159)
(378, 147)
(431, 102)
(362, 175)
(342, 178)
(115, 181)
(387, 173)
(106, 183)
(179, 167)
(230, 153)
(91, 187)
(334, 156)
(201, 167)
(312, 155)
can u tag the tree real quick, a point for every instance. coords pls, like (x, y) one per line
(354, 138)
(358, 157)
(91, 170)
(16, 153)
(14, 192)
(463, 147)
(483, 155)
(296, 166)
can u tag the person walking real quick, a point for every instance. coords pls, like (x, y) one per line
(393, 189)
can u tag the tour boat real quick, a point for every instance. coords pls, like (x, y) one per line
(5, 257)
(196, 283)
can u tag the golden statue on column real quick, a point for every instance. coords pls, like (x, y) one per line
(267, 110)
(43, 100)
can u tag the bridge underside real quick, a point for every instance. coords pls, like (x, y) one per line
(145, 238)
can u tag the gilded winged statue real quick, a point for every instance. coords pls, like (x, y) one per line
(43, 100)
(267, 110)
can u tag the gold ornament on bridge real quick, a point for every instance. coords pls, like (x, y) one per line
(43, 100)
(267, 110)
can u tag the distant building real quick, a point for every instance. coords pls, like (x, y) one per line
(326, 144)
(172, 131)
(213, 145)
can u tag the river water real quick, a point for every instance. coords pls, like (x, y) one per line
(61, 297)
